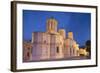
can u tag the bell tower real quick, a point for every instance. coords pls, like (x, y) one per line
(51, 25)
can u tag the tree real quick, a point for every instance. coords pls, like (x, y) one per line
(88, 47)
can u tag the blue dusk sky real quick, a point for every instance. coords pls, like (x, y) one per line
(78, 23)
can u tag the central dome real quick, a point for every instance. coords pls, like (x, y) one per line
(51, 25)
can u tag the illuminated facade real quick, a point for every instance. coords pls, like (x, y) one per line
(27, 52)
(52, 44)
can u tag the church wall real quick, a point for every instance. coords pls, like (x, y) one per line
(45, 46)
(37, 51)
(56, 48)
(67, 48)
(53, 45)
(71, 48)
(41, 46)
(60, 44)
(27, 51)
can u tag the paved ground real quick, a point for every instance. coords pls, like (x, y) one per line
(70, 58)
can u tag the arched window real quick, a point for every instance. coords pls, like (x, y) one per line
(28, 54)
(57, 49)
(45, 42)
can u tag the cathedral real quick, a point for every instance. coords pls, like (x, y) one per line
(50, 45)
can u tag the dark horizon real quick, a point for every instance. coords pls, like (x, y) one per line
(78, 23)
